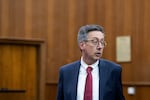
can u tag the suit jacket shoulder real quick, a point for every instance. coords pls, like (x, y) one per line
(68, 76)
(70, 66)
(110, 64)
(110, 81)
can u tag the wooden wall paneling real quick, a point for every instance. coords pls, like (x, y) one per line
(127, 29)
(30, 56)
(81, 15)
(146, 45)
(60, 40)
(143, 53)
(142, 66)
(57, 22)
(90, 11)
(128, 18)
(12, 18)
(51, 91)
(100, 12)
(119, 18)
(141, 92)
(12, 96)
(5, 70)
(19, 16)
(113, 25)
(127, 96)
(136, 39)
(24, 19)
(16, 68)
(71, 36)
(39, 18)
(76, 18)
(17, 62)
(4, 12)
(17, 21)
(0, 17)
(50, 40)
(28, 18)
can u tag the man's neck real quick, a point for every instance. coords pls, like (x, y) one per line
(89, 61)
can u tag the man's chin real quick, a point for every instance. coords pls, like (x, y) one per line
(97, 58)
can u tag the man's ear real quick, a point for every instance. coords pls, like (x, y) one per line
(81, 45)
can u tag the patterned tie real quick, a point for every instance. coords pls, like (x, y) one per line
(88, 85)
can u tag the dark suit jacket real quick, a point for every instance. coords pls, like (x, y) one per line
(110, 86)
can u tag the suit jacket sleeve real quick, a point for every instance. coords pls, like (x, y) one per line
(60, 87)
(119, 90)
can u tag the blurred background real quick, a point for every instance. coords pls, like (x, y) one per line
(38, 36)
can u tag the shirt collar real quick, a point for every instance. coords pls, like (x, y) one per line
(85, 65)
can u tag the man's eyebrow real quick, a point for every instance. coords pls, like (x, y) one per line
(98, 38)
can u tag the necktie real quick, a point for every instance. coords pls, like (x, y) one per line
(88, 85)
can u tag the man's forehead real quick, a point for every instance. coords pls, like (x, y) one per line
(97, 34)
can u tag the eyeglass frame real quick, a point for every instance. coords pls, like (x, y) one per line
(96, 42)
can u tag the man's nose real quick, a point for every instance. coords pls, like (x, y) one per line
(100, 46)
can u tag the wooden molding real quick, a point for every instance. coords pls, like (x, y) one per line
(136, 83)
(41, 59)
(21, 41)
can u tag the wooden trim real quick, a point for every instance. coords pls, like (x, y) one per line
(42, 76)
(51, 83)
(21, 41)
(41, 59)
(136, 83)
(11, 91)
(124, 83)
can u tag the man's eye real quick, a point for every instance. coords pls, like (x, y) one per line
(102, 42)
(94, 41)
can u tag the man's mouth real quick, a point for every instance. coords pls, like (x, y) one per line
(98, 54)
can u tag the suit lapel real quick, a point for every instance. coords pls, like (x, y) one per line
(75, 74)
(102, 78)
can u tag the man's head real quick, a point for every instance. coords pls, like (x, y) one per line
(91, 42)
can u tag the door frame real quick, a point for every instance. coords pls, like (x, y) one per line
(41, 61)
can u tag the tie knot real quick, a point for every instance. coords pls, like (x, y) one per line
(89, 69)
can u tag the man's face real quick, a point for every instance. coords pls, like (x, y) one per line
(92, 48)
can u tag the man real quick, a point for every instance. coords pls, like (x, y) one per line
(91, 78)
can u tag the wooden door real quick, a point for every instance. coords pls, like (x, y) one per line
(18, 72)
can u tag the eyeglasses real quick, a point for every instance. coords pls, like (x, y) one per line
(96, 42)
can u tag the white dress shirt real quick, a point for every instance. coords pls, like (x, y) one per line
(82, 79)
